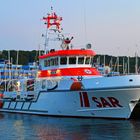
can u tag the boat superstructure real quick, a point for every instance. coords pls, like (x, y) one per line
(68, 85)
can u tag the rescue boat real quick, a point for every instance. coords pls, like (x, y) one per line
(68, 85)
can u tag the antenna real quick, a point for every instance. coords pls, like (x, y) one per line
(85, 23)
(51, 8)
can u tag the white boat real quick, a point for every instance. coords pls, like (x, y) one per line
(68, 85)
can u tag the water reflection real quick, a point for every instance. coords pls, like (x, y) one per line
(30, 127)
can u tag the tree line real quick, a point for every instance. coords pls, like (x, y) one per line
(24, 57)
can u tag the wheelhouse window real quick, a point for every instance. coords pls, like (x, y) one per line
(46, 63)
(80, 60)
(51, 62)
(56, 61)
(91, 62)
(72, 60)
(63, 60)
(87, 61)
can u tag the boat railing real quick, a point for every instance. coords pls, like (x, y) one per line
(28, 84)
(35, 85)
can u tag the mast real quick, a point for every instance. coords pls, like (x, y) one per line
(52, 22)
(110, 64)
(123, 66)
(118, 63)
(128, 65)
(136, 63)
(46, 41)
(9, 61)
(136, 60)
(17, 59)
(104, 61)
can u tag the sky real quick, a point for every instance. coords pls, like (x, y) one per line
(111, 26)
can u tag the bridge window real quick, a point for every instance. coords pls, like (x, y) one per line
(46, 63)
(63, 60)
(87, 60)
(91, 62)
(72, 60)
(80, 60)
(51, 62)
(56, 61)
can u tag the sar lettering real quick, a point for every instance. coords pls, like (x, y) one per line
(106, 102)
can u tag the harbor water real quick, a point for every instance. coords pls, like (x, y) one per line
(32, 127)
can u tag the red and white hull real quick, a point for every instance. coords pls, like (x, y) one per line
(103, 101)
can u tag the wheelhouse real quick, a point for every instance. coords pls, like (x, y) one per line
(67, 63)
(66, 59)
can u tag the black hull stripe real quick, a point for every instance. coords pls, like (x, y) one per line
(98, 89)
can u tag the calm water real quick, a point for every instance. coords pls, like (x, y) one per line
(31, 127)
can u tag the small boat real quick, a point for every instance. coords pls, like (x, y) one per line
(67, 84)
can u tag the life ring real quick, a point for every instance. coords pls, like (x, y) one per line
(76, 86)
(87, 71)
